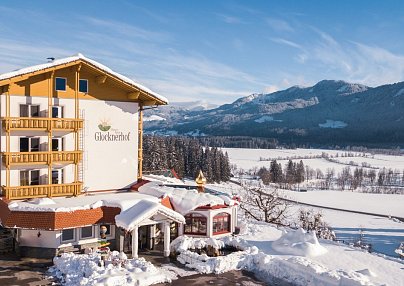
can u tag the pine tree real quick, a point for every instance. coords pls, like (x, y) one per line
(300, 172)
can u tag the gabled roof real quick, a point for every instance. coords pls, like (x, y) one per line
(143, 211)
(81, 58)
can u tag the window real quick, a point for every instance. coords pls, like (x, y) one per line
(24, 178)
(27, 110)
(86, 232)
(29, 177)
(29, 144)
(195, 224)
(68, 234)
(57, 144)
(60, 83)
(57, 176)
(83, 85)
(221, 223)
(57, 111)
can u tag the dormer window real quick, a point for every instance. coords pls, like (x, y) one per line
(60, 84)
(83, 85)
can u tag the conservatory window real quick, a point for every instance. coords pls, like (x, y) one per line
(87, 232)
(195, 224)
(68, 234)
(221, 223)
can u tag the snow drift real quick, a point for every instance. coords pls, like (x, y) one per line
(299, 242)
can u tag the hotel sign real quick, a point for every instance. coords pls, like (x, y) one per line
(107, 133)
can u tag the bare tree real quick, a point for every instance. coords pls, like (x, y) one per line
(329, 176)
(264, 205)
(344, 177)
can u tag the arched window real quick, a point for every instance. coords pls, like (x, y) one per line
(221, 223)
(195, 224)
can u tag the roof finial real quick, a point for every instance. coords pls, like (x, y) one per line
(201, 181)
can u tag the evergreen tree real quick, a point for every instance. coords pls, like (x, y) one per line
(186, 156)
(275, 171)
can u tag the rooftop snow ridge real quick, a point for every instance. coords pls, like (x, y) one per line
(76, 57)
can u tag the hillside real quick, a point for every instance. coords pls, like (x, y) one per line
(328, 113)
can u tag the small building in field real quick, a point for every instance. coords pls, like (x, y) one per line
(71, 165)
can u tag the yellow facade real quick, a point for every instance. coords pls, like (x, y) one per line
(101, 86)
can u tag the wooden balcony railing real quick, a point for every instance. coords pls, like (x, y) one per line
(40, 191)
(41, 123)
(27, 158)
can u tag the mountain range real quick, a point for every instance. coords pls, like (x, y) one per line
(329, 113)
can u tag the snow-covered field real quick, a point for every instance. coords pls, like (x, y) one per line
(385, 204)
(383, 233)
(249, 158)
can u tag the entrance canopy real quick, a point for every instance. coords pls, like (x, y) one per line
(146, 212)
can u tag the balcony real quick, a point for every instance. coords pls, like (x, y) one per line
(40, 191)
(42, 123)
(42, 158)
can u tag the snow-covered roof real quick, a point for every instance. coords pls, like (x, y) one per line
(142, 211)
(123, 201)
(184, 200)
(77, 57)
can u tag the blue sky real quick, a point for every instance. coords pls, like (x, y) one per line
(215, 51)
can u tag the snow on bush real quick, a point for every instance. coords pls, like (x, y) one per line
(84, 269)
(299, 242)
(184, 242)
(205, 264)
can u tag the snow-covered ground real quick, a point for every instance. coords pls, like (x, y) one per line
(291, 256)
(384, 234)
(272, 254)
(249, 158)
(338, 259)
(386, 204)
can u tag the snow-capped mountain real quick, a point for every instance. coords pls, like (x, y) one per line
(175, 112)
(330, 112)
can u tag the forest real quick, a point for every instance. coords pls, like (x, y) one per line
(186, 156)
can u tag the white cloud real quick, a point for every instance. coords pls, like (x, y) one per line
(127, 30)
(229, 19)
(287, 43)
(271, 89)
(279, 25)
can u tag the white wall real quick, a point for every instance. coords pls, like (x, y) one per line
(110, 164)
(53, 239)
(47, 239)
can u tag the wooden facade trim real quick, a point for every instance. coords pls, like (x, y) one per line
(144, 96)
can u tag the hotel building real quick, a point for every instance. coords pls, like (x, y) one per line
(71, 148)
